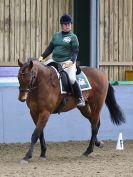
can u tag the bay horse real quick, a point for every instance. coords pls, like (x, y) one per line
(39, 87)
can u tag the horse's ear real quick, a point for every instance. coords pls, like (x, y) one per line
(20, 64)
(31, 64)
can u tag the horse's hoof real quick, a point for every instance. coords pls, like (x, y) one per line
(42, 158)
(101, 144)
(84, 157)
(85, 154)
(23, 162)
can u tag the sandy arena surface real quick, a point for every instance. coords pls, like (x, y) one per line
(64, 160)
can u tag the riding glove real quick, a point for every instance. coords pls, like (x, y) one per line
(67, 64)
(40, 58)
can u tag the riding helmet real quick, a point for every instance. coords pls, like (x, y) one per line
(65, 19)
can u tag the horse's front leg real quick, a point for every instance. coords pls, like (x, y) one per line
(34, 139)
(43, 118)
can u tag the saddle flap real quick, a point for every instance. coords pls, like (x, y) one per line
(65, 83)
(82, 80)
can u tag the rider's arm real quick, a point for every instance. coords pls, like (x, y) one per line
(75, 50)
(48, 50)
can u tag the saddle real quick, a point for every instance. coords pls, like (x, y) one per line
(63, 76)
(66, 84)
(81, 78)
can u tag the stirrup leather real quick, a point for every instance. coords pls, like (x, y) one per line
(80, 102)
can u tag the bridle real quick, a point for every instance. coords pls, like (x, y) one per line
(31, 84)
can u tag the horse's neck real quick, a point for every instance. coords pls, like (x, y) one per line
(42, 73)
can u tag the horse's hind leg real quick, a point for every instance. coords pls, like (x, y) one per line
(97, 143)
(95, 124)
(43, 146)
(92, 141)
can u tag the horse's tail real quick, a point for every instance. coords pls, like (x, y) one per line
(117, 116)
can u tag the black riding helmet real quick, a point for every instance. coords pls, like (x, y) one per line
(65, 19)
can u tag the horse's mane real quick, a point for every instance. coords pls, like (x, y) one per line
(32, 58)
(35, 61)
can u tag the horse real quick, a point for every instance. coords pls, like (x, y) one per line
(40, 88)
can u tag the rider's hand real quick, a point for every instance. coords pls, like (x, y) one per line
(40, 58)
(67, 64)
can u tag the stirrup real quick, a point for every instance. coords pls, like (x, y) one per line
(80, 102)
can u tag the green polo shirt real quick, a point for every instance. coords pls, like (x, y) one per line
(63, 46)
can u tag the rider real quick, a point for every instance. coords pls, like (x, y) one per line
(64, 47)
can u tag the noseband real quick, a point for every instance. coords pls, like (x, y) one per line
(31, 84)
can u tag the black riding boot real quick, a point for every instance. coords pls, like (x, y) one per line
(78, 94)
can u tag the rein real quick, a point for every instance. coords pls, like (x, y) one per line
(31, 84)
(53, 72)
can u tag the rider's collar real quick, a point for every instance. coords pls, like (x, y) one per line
(64, 33)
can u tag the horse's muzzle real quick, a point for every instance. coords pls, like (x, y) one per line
(22, 97)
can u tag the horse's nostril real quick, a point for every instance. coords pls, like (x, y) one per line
(21, 99)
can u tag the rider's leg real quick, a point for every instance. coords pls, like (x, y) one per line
(77, 91)
(78, 94)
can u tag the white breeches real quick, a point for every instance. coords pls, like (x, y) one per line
(71, 70)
